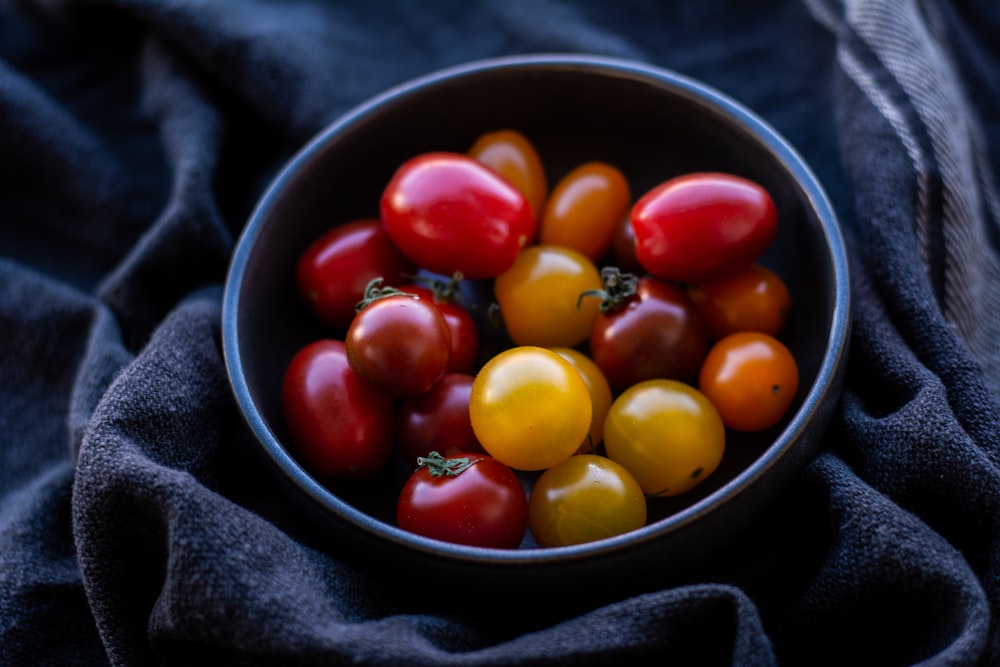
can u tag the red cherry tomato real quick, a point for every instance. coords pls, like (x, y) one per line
(752, 299)
(467, 499)
(751, 378)
(510, 154)
(464, 332)
(623, 247)
(450, 213)
(339, 424)
(437, 420)
(398, 341)
(649, 329)
(584, 208)
(702, 226)
(334, 270)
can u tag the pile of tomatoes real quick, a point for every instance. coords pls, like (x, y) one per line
(633, 336)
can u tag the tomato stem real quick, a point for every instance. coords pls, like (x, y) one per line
(618, 289)
(374, 291)
(439, 466)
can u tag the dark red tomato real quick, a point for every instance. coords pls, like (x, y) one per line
(752, 299)
(702, 226)
(464, 332)
(648, 329)
(623, 247)
(450, 213)
(437, 420)
(334, 270)
(398, 341)
(340, 425)
(469, 499)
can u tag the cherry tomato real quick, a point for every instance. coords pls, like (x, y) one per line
(437, 420)
(650, 329)
(599, 390)
(332, 273)
(667, 434)
(702, 226)
(468, 499)
(398, 341)
(530, 408)
(752, 299)
(584, 209)
(538, 297)
(623, 248)
(751, 378)
(449, 213)
(510, 154)
(339, 425)
(583, 499)
(464, 333)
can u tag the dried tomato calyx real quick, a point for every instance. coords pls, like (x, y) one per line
(618, 289)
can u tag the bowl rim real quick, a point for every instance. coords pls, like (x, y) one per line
(823, 389)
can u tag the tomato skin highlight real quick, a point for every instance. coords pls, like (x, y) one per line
(584, 209)
(339, 424)
(583, 499)
(401, 343)
(751, 378)
(667, 434)
(483, 506)
(513, 156)
(437, 420)
(333, 271)
(530, 408)
(450, 213)
(658, 333)
(702, 226)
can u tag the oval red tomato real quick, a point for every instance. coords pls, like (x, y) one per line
(333, 271)
(469, 499)
(437, 420)
(702, 226)
(398, 341)
(654, 331)
(450, 213)
(339, 424)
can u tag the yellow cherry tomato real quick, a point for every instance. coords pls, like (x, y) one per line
(600, 394)
(513, 156)
(538, 297)
(583, 499)
(529, 407)
(667, 434)
(585, 208)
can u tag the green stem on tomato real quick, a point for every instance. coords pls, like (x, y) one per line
(438, 466)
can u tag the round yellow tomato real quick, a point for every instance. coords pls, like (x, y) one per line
(600, 394)
(538, 297)
(529, 408)
(667, 434)
(583, 499)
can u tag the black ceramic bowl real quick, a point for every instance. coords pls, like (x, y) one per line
(652, 124)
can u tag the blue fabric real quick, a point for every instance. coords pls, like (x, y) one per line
(137, 529)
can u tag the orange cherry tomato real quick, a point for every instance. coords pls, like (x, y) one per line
(751, 379)
(752, 299)
(512, 155)
(585, 208)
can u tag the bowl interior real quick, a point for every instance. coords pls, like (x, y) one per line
(649, 124)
